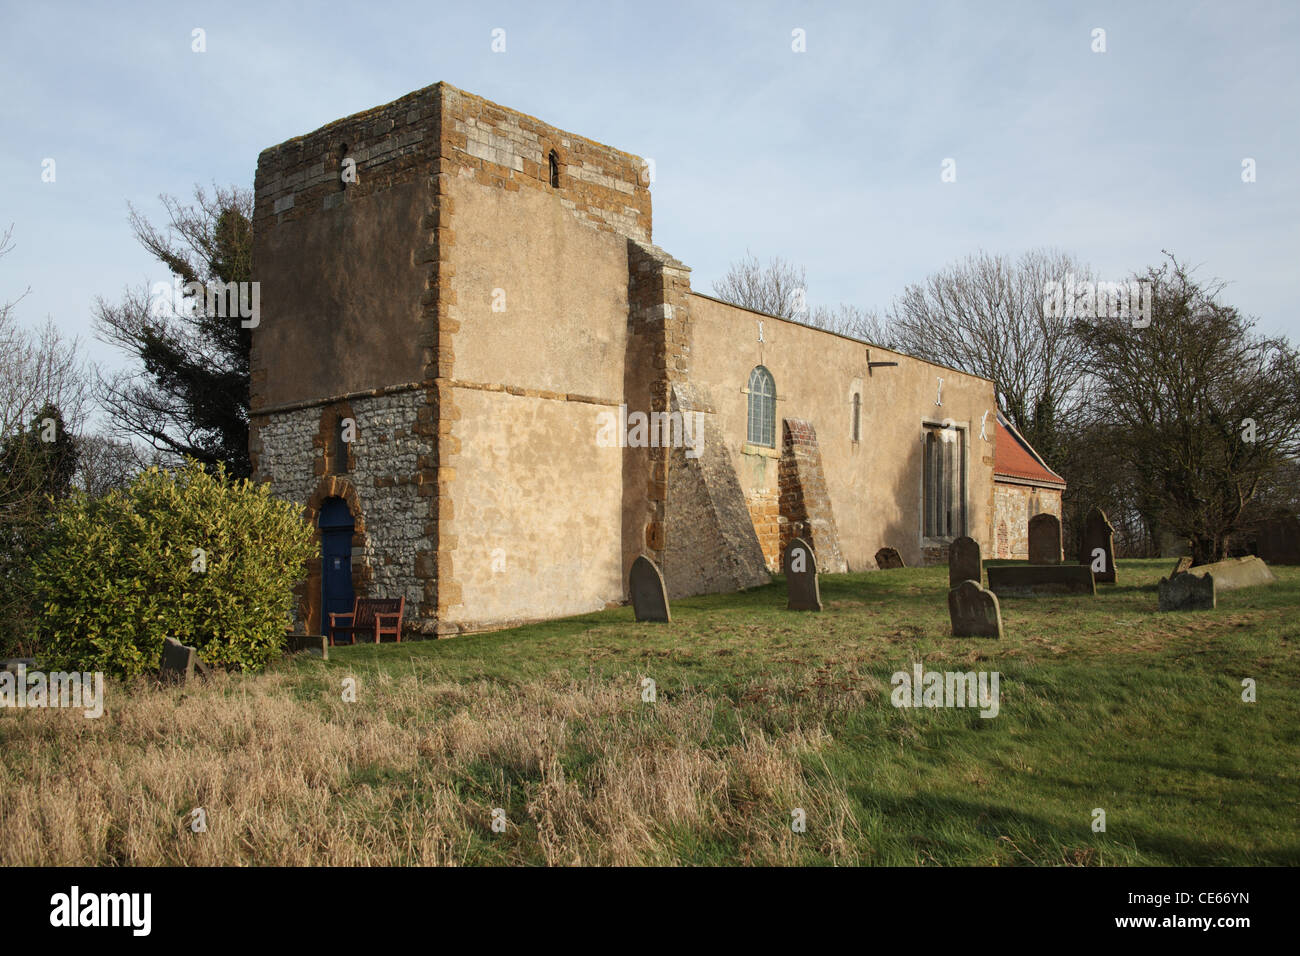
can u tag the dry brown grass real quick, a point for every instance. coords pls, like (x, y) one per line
(289, 774)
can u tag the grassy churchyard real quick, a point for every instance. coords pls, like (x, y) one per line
(758, 712)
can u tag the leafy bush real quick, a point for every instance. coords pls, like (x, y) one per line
(118, 574)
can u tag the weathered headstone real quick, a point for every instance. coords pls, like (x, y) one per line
(314, 644)
(964, 562)
(1040, 580)
(1044, 539)
(1188, 592)
(887, 558)
(801, 577)
(13, 664)
(974, 611)
(179, 662)
(1097, 546)
(1184, 564)
(1236, 573)
(649, 596)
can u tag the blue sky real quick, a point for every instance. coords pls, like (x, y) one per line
(830, 158)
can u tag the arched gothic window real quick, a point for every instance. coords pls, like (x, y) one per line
(762, 408)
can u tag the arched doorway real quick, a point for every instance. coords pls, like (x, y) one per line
(336, 527)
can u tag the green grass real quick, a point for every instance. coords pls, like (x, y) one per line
(1105, 703)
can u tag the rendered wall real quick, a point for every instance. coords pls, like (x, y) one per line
(536, 286)
(874, 484)
(337, 263)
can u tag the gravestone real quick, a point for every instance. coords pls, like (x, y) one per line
(1184, 564)
(12, 664)
(1236, 573)
(1188, 592)
(1044, 539)
(974, 611)
(1098, 535)
(801, 577)
(179, 662)
(964, 562)
(1040, 580)
(314, 644)
(887, 558)
(649, 596)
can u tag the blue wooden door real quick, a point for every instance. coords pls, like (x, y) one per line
(336, 561)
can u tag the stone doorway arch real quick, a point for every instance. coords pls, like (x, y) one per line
(310, 594)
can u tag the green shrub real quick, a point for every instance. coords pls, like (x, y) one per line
(116, 575)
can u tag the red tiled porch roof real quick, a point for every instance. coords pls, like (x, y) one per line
(1015, 458)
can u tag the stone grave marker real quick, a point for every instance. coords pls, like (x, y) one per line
(13, 664)
(888, 558)
(974, 611)
(649, 596)
(801, 577)
(1188, 592)
(315, 644)
(1184, 564)
(180, 662)
(1044, 539)
(1040, 580)
(1233, 573)
(1098, 535)
(964, 562)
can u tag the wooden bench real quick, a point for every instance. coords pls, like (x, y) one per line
(378, 617)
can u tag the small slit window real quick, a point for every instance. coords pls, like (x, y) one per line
(341, 445)
(554, 163)
(857, 416)
(762, 408)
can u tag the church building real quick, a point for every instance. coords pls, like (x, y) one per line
(491, 391)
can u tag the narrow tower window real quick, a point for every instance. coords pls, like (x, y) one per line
(555, 170)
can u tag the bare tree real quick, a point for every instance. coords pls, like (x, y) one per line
(778, 288)
(853, 321)
(986, 315)
(105, 463)
(44, 399)
(1205, 411)
(40, 370)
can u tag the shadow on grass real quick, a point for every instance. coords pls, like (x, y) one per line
(930, 814)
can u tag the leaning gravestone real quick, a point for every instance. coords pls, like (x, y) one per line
(1044, 539)
(1233, 573)
(964, 562)
(649, 596)
(1188, 592)
(888, 558)
(1184, 564)
(1098, 536)
(974, 611)
(179, 662)
(801, 577)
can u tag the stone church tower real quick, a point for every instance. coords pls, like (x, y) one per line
(460, 305)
